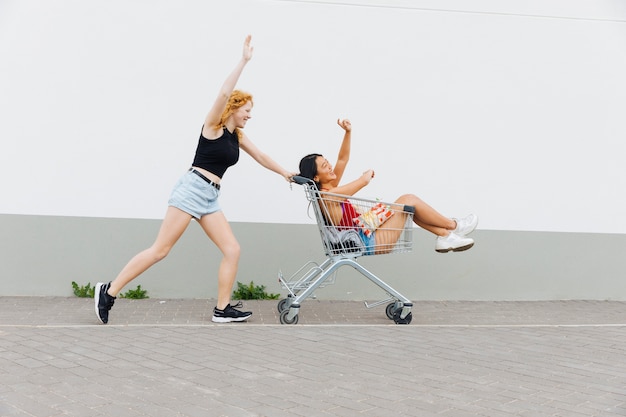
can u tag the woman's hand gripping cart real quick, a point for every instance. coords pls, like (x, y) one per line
(361, 232)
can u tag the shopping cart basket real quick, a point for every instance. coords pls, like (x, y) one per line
(343, 244)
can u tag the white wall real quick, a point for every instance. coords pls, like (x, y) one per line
(511, 109)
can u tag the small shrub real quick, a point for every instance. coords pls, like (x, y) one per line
(85, 292)
(136, 294)
(253, 292)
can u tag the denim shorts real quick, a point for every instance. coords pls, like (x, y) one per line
(368, 242)
(194, 196)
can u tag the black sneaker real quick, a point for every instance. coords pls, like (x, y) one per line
(103, 301)
(230, 314)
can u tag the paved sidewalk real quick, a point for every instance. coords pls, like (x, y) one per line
(166, 358)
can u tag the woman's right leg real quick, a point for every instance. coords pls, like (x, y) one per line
(427, 217)
(172, 228)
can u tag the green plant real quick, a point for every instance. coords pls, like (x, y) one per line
(253, 292)
(85, 292)
(136, 294)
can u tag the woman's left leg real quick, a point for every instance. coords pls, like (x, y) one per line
(218, 230)
(451, 236)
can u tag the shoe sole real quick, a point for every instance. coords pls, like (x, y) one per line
(229, 319)
(96, 298)
(459, 249)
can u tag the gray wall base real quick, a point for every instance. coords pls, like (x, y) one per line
(42, 255)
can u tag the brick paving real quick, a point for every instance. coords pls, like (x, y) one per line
(166, 358)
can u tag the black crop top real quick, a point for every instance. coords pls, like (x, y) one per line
(216, 155)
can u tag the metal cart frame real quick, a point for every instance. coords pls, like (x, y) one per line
(343, 245)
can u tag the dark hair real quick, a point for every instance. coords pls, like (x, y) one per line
(308, 167)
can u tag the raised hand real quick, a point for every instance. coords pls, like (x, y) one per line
(247, 48)
(345, 124)
(368, 175)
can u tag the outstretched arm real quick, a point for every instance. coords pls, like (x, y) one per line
(213, 117)
(353, 187)
(344, 151)
(262, 158)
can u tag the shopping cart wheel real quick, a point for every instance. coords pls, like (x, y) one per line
(391, 308)
(285, 320)
(398, 320)
(282, 305)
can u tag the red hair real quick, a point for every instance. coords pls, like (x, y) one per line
(236, 100)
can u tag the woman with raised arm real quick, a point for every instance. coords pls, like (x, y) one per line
(451, 233)
(195, 196)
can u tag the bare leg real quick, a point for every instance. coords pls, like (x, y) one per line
(172, 228)
(218, 230)
(427, 217)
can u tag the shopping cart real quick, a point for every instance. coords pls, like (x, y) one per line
(343, 244)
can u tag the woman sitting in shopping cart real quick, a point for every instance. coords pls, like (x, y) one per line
(451, 232)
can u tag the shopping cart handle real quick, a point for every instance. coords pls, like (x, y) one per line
(302, 180)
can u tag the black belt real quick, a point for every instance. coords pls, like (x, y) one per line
(198, 173)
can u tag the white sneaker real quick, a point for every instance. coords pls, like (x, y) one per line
(453, 242)
(466, 225)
